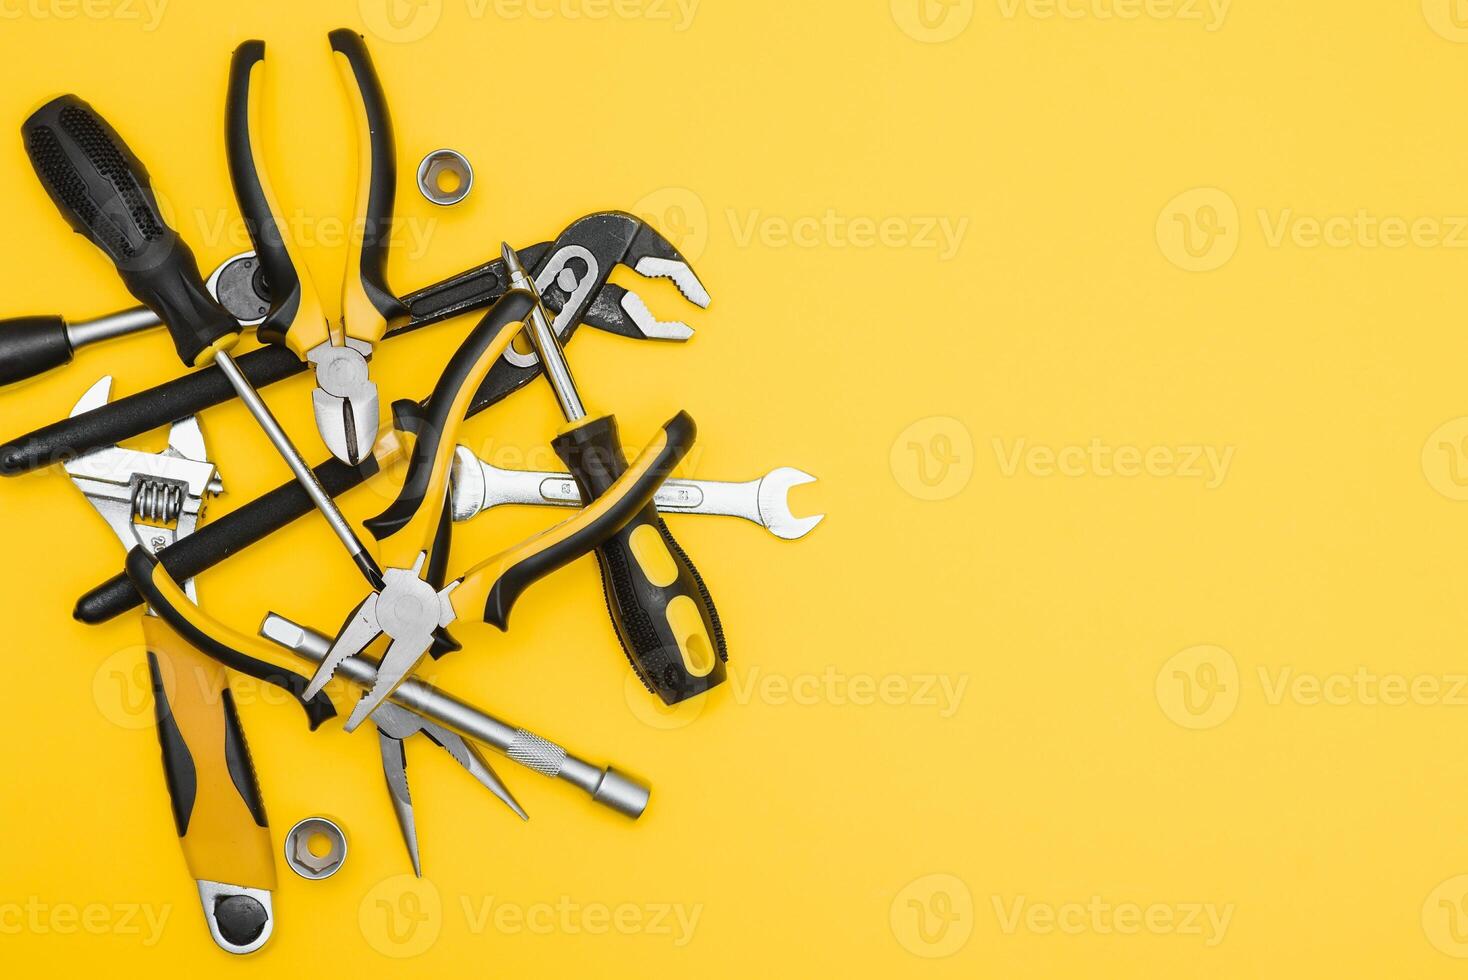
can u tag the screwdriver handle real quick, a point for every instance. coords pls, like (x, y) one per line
(296, 318)
(32, 345)
(217, 808)
(105, 194)
(658, 602)
(368, 303)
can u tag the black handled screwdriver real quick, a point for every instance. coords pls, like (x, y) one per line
(33, 345)
(104, 192)
(659, 604)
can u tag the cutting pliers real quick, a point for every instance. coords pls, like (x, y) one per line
(345, 397)
(151, 500)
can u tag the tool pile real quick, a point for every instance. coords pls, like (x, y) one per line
(659, 605)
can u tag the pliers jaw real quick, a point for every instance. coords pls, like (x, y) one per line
(345, 399)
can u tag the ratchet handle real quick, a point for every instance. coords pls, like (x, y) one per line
(367, 301)
(658, 602)
(104, 192)
(296, 318)
(491, 588)
(217, 808)
(32, 345)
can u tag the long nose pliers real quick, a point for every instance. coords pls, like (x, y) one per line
(345, 397)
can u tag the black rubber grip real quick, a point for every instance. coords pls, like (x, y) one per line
(130, 417)
(32, 345)
(635, 498)
(179, 771)
(382, 185)
(434, 419)
(104, 192)
(145, 411)
(639, 606)
(249, 192)
(140, 567)
(217, 540)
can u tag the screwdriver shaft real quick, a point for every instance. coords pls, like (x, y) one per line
(303, 474)
(545, 341)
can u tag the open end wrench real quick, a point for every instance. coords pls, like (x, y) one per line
(479, 486)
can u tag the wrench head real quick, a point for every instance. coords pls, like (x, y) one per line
(774, 504)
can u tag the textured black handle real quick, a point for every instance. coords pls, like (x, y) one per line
(659, 605)
(192, 393)
(375, 203)
(129, 417)
(214, 542)
(103, 191)
(32, 345)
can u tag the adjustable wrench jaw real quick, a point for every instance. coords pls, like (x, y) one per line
(148, 499)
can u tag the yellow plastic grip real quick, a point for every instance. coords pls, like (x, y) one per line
(474, 587)
(308, 328)
(222, 840)
(361, 320)
(402, 548)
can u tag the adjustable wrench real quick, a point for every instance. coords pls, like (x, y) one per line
(479, 486)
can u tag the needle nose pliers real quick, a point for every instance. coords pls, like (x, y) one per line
(345, 397)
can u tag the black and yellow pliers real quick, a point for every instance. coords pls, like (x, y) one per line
(345, 397)
(410, 608)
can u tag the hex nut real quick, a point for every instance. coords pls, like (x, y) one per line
(298, 853)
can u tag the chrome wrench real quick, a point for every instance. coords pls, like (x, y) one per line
(479, 486)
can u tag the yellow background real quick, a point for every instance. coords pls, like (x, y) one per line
(1122, 277)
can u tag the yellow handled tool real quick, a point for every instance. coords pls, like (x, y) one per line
(151, 500)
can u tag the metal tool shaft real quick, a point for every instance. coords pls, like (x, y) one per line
(546, 343)
(605, 785)
(303, 474)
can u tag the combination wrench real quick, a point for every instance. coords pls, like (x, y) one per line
(479, 486)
